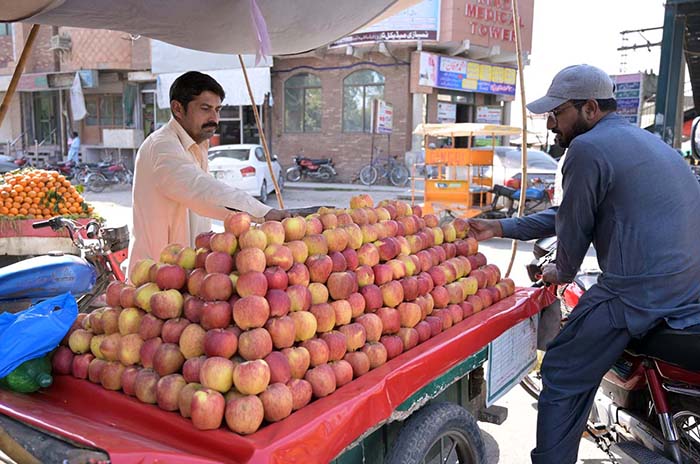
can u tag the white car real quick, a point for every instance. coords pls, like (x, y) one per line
(244, 167)
(506, 165)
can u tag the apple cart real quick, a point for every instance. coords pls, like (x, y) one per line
(464, 174)
(420, 405)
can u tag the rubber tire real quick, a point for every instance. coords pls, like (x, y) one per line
(293, 174)
(96, 182)
(325, 173)
(280, 181)
(531, 386)
(399, 176)
(420, 432)
(368, 175)
(263, 192)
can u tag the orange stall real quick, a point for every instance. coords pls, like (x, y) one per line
(464, 174)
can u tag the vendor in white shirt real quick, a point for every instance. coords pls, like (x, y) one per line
(174, 196)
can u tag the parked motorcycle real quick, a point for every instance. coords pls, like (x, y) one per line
(648, 403)
(85, 277)
(65, 168)
(103, 175)
(321, 168)
(505, 199)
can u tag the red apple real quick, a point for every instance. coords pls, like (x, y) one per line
(207, 409)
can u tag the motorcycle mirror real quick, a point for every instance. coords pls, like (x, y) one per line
(695, 139)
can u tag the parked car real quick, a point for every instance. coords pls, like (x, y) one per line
(506, 165)
(244, 167)
(7, 164)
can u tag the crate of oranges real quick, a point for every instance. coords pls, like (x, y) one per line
(29, 195)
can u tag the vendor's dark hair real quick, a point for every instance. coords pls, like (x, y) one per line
(191, 84)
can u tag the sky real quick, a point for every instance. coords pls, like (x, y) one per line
(567, 32)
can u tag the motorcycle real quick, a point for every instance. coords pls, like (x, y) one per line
(102, 250)
(65, 168)
(537, 198)
(648, 403)
(103, 175)
(313, 168)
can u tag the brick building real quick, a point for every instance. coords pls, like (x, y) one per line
(439, 61)
(40, 121)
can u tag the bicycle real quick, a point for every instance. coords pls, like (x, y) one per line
(385, 168)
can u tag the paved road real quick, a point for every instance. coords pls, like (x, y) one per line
(509, 443)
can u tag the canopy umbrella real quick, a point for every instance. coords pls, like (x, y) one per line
(465, 129)
(217, 26)
(263, 27)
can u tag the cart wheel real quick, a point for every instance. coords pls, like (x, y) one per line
(444, 431)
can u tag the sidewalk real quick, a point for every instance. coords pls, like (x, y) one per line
(403, 193)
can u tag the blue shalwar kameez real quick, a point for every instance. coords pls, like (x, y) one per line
(635, 199)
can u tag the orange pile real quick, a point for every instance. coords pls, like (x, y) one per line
(40, 194)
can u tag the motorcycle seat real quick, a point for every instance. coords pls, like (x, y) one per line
(678, 347)
(319, 160)
(530, 194)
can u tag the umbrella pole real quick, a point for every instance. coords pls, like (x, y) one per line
(523, 159)
(5, 105)
(263, 140)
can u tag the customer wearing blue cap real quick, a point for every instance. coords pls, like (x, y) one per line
(635, 199)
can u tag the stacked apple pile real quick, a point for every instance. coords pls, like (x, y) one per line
(258, 320)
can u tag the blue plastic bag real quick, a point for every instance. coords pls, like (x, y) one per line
(35, 331)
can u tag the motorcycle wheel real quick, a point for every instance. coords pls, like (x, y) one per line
(96, 182)
(293, 174)
(399, 176)
(688, 425)
(368, 175)
(325, 173)
(532, 382)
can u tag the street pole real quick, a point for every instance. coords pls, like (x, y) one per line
(523, 156)
(263, 140)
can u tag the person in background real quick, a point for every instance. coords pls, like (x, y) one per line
(174, 196)
(634, 198)
(74, 150)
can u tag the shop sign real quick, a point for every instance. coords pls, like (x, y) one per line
(31, 82)
(446, 112)
(487, 115)
(419, 22)
(89, 78)
(466, 75)
(491, 19)
(384, 117)
(628, 93)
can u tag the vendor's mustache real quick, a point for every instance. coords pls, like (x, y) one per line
(210, 124)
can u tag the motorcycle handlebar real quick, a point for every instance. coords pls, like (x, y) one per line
(42, 224)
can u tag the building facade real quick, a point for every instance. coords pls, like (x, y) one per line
(40, 120)
(354, 100)
(439, 61)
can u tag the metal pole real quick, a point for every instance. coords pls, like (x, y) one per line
(263, 140)
(5, 105)
(523, 159)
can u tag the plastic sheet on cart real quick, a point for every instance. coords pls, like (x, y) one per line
(132, 432)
